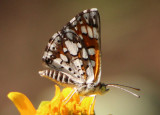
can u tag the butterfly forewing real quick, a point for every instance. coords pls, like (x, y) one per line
(75, 49)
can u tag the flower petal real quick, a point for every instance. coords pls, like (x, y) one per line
(70, 91)
(22, 103)
(43, 108)
(57, 94)
(56, 106)
(88, 104)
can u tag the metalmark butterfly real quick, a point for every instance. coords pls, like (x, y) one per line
(73, 55)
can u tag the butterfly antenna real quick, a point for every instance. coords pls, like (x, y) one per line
(126, 86)
(117, 86)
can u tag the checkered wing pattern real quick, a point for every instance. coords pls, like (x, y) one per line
(74, 52)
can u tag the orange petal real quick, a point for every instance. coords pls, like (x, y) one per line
(22, 103)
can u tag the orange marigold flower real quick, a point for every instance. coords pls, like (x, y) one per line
(56, 106)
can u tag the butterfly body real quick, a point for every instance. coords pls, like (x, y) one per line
(83, 88)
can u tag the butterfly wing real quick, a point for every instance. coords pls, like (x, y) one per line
(75, 50)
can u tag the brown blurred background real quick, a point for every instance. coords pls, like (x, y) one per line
(130, 33)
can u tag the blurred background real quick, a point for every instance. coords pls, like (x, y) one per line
(130, 33)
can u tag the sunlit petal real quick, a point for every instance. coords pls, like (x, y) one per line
(22, 103)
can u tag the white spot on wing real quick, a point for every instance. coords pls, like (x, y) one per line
(83, 29)
(79, 45)
(72, 47)
(84, 53)
(57, 39)
(80, 61)
(64, 50)
(69, 35)
(76, 28)
(86, 17)
(72, 20)
(95, 33)
(93, 63)
(66, 68)
(90, 33)
(81, 22)
(64, 58)
(85, 11)
(52, 46)
(57, 62)
(81, 71)
(77, 63)
(44, 55)
(94, 9)
(90, 74)
(80, 36)
(92, 14)
(74, 23)
(91, 51)
(49, 54)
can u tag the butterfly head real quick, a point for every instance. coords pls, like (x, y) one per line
(103, 89)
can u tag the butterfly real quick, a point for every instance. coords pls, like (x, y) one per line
(73, 55)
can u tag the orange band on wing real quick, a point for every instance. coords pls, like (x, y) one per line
(97, 65)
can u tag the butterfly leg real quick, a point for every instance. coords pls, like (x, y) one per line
(70, 95)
